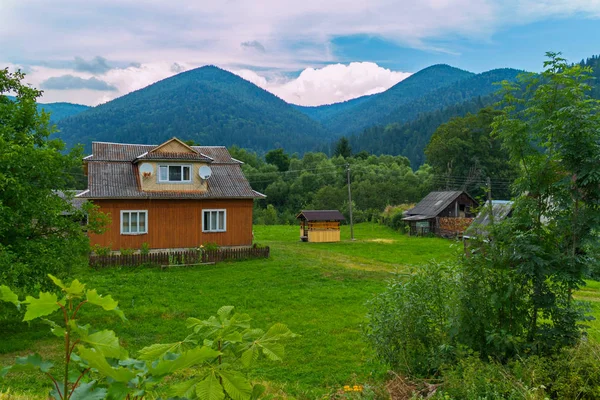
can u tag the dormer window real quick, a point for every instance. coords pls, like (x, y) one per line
(173, 173)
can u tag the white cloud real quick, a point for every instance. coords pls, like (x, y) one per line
(331, 84)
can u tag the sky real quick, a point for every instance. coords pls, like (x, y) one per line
(307, 52)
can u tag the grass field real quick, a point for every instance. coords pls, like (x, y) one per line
(318, 290)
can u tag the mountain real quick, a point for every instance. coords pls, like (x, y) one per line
(410, 126)
(208, 105)
(59, 111)
(354, 115)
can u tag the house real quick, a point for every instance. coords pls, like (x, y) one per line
(169, 196)
(442, 213)
(320, 225)
(479, 229)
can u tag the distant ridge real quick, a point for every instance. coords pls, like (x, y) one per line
(59, 110)
(357, 114)
(207, 105)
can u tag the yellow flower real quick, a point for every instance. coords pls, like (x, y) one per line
(347, 388)
(357, 388)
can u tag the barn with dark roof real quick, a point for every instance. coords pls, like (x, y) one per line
(169, 196)
(446, 213)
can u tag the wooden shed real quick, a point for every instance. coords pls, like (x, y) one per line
(445, 214)
(320, 225)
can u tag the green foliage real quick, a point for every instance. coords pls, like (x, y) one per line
(40, 231)
(210, 246)
(278, 158)
(463, 152)
(101, 250)
(408, 131)
(392, 216)
(411, 324)
(318, 182)
(208, 105)
(97, 367)
(342, 148)
(145, 249)
(126, 252)
(239, 347)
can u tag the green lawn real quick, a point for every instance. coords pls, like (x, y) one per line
(318, 290)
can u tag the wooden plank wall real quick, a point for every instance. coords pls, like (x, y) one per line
(176, 223)
(324, 236)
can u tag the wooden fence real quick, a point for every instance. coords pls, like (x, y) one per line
(184, 257)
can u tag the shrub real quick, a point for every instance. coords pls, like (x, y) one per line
(145, 249)
(211, 246)
(410, 324)
(101, 250)
(126, 252)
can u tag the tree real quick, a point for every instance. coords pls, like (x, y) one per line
(463, 153)
(39, 230)
(279, 158)
(342, 148)
(550, 128)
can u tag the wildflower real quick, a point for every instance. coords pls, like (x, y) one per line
(357, 388)
(347, 388)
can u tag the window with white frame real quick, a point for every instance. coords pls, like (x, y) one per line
(175, 173)
(134, 222)
(214, 220)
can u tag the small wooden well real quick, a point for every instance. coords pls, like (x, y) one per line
(320, 225)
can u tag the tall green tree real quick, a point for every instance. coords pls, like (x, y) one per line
(39, 230)
(279, 158)
(550, 127)
(463, 153)
(342, 148)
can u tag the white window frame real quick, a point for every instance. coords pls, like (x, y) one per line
(145, 212)
(175, 165)
(217, 210)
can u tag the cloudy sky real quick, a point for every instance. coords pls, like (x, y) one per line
(305, 51)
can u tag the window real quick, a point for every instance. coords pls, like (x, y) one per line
(214, 221)
(175, 173)
(134, 222)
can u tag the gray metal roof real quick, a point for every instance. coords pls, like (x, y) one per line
(501, 209)
(113, 173)
(72, 197)
(433, 204)
(321, 215)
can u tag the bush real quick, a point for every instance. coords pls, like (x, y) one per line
(145, 249)
(101, 250)
(126, 252)
(410, 324)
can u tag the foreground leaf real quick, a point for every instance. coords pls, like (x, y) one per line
(106, 342)
(236, 385)
(45, 305)
(97, 361)
(7, 295)
(185, 360)
(86, 391)
(106, 302)
(28, 363)
(210, 388)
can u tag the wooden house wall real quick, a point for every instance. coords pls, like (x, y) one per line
(463, 199)
(176, 223)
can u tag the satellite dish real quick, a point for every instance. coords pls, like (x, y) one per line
(146, 169)
(205, 172)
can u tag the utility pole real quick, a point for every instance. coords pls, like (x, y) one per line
(489, 196)
(350, 201)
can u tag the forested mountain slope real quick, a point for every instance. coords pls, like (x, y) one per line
(61, 110)
(410, 127)
(354, 115)
(208, 105)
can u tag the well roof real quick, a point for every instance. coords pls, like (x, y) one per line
(321, 215)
